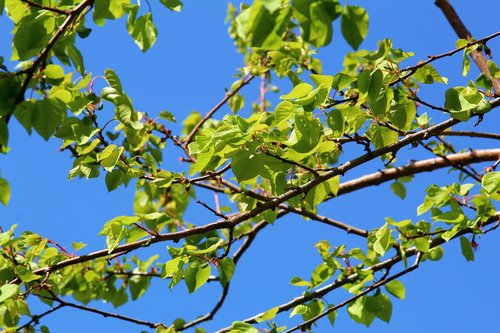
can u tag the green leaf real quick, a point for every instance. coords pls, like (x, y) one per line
(4, 191)
(241, 327)
(226, 270)
(113, 80)
(383, 241)
(336, 121)
(54, 74)
(382, 136)
(436, 253)
(332, 315)
(491, 182)
(354, 25)
(8, 291)
(383, 103)
(78, 245)
(399, 189)
(171, 267)
(460, 101)
(32, 34)
(283, 112)
(465, 63)
(299, 309)
(264, 27)
(26, 275)
(308, 133)
(106, 9)
(76, 58)
(428, 75)
(167, 116)
(109, 157)
(403, 114)
(144, 32)
(268, 315)
(173, 5)
(245, 165)
(48, 114)
(315, 18)
(236, 103)
(381, 306)
(299, 91)
(359, 312)
(467, 250)
(196, 275)
(396, 289)
(422, 244)
(296, 281)
(114, 179)
(138, 285)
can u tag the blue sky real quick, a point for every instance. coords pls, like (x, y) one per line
(188, 69)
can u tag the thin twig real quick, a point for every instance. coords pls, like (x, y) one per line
(302, 166)
(105, 314)
(374, 286)
(36, 318)
(74, 13)
(384, 265)
(210, 113)
(416, 99)
(412, 69)
(50, 9)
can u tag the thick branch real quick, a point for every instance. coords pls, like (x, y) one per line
(463, 33)
(377, 178)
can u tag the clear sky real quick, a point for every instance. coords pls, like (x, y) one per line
(188, 69)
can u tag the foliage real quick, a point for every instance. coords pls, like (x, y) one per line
(268, 161)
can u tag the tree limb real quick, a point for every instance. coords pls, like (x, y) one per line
(463, 33)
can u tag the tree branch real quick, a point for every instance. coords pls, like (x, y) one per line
(210, 113)
(73, 14)
(384, 265)
(463, 33)
(374, 286)
(101, 312)
(271, 203)
(475, 156)
(35, 318)
(412, 69)
(50, 9)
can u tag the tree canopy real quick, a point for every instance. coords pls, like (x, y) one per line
(287, 138)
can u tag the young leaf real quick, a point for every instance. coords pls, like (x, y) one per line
(359, 312)
(467, 250)
(398, 189)
(268, 315)
(226, 270)
(354, 25)
(7, 291)
(491, 182)
(195, 275)
(173, 5)
(4, 192)
(396, 289)
(144, 32)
